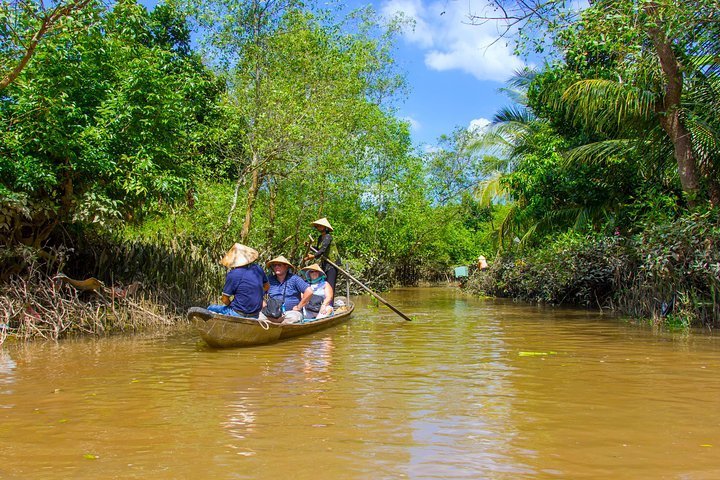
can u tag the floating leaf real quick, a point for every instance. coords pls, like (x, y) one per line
(90, 456)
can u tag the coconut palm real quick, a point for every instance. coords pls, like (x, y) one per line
(524, 140)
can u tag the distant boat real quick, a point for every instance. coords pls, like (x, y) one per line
(222, 331)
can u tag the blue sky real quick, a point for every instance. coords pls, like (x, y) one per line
(454, 70)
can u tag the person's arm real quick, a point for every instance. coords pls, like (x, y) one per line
(304, 299)
(324, 245)
(265, 279)
(228, 290)
(328, 298)
(326, 240)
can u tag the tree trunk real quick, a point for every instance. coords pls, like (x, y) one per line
(271, 214)
(252, 196)
(669, 110)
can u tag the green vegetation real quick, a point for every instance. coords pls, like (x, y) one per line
(132, 154)
(613, 161)
(132, 150)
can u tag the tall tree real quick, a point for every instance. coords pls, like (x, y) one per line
(27, 23)
(652, 43)
(300, 94)
(101, 125)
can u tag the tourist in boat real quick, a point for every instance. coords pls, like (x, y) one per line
(245, 283)
(290, 289)
(325, 250)
(319, 305)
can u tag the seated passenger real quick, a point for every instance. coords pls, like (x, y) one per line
(319, 305)
(245, 283)
(289, 288)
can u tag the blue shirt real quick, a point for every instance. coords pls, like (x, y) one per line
(293, 286)
(245, 285)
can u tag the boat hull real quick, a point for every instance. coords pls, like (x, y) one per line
(225, 331)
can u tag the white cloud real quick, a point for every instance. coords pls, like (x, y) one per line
(441, 30)
(428, 148)
(479, 125)
(419, 32)
(415, 125)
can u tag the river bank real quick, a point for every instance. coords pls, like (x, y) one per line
(669, 273)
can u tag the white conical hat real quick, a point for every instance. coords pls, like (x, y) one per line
(239, 256)
(323, 222)
(280, 259)
(314, 267)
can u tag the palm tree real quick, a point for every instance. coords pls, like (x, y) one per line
(518, 137)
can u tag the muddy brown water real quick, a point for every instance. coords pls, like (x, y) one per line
(471, 389)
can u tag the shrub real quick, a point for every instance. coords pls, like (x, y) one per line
(670, 272)
(573, 269)
(676, 270)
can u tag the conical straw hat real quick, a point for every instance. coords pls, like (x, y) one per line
(239, 256)
(315, 267)
(280, 259)
(323, 222)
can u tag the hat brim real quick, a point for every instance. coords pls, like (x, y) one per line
(314, 268)
(270, 263)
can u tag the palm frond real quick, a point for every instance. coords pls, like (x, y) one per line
(491, 190)
(518, 84)
(515, 114)
(598, 152)
(706, 137)
(508, 225)
(529, 235)
(609, 105)
(522, 78)
(578, 218)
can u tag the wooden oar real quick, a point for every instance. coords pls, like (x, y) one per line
(390, 306)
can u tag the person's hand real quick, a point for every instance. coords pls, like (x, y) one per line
(297, 308)
(309, 256)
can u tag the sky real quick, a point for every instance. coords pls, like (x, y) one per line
(454, 70)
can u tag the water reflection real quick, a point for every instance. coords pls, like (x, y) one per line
(241, 422)
(7, 375)
(466, 410)
(304, 367)
(317, 359)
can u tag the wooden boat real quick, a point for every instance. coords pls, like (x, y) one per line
(221, 331)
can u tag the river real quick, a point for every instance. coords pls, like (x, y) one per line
(471, 389)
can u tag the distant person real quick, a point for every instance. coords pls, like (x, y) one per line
(292, 291)
(245, 282)
(325, 250)
(320, 303)
(482, 263)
